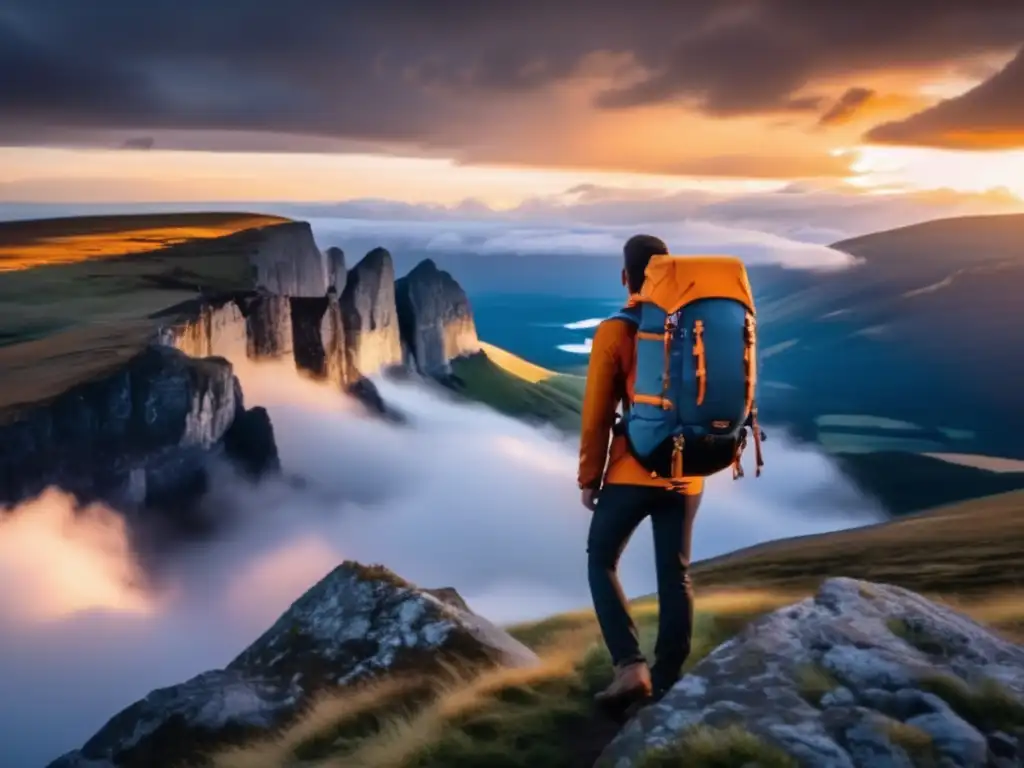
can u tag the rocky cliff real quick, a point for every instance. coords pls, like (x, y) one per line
(140, 435)
(263, 293)
(369, 315)
(357, 624)
(287, 262)
(861, 675)
(435, 318)
(336, 273)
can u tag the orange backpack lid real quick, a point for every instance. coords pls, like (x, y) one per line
(673, 281)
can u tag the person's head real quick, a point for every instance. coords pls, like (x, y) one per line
(637, 254)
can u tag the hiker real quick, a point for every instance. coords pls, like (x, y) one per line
(630, 469)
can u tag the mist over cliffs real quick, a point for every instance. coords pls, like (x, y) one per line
(140, 432)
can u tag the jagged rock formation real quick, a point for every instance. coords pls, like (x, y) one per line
(218, 327)
(435, 318)
(269, 294)
(363, 323)
(860, 676)
(268, 326)
(134, 437)
(319, 338)
(336, 273)
(286, 261)
(369, 316)
(356, 624)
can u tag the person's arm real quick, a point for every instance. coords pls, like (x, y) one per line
(599, 404)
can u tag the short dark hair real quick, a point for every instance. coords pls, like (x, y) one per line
(638, 252)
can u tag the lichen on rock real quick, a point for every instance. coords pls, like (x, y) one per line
(873, 694)
(358, 623)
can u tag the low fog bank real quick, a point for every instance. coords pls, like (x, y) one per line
(562, 237)
(461, 497)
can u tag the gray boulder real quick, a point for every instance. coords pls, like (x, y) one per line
(861, 675)
(356, 624)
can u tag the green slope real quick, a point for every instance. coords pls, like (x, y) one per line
(556, 400)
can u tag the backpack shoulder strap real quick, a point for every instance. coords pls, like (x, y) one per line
(629, 314)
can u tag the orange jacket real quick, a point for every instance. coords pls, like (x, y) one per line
(611, 360)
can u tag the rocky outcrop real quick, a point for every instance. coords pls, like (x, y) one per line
(137, 436)
(356, 624)
(319, 338)
(860, 676)
(216, 328)
(287, 262)
(435, 318)
(336, 274)
(268, 326)
(362, 323)
(274, 295)
(369, 316)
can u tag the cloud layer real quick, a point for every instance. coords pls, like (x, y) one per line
(989, 116)
(465, 498)
(531, 82)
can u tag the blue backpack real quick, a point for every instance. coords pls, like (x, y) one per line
(692, 392)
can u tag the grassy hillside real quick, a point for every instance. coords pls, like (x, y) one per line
(967, 555)
(921, 331)
(518, 388)
(61, 274)
(970, 548)
(35, 243)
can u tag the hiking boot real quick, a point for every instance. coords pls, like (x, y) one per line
(632, 683)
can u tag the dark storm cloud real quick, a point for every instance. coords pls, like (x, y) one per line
(397, 70)
(846, 106)
(989, 116)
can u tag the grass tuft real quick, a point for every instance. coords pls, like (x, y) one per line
(917, 636)
(543, 717)
(704, 747)
(918, 744)
(814, 682)
(988, 706)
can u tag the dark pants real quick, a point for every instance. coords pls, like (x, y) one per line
(620, 509)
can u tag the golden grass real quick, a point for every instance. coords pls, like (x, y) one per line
(516, 365)
(966, 549)
(401, 737)
(469, 718)
(321, 716)
(25, 245)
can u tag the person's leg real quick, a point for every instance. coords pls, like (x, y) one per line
(672, 521)
(620, 509)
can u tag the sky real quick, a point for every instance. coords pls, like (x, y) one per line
(486, 504)
(500, 103)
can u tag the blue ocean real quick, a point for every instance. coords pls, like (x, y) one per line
(551, 331)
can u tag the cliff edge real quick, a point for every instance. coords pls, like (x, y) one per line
(116, 336)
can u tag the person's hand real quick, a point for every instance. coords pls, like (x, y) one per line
(589, 498)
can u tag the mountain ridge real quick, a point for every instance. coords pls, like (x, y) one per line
(263, 293)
